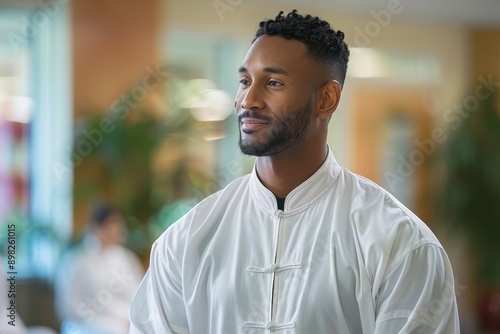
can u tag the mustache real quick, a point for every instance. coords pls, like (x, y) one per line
(253, 114)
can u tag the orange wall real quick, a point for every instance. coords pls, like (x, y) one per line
(113, 43)
(485, 47)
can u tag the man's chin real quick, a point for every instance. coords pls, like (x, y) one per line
(253, 149)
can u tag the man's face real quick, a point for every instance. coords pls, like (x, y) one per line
(275, 97)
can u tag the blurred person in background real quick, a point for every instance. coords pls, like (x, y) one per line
(97, 279)
(301, 244)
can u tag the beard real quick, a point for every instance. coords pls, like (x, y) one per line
(286, 132)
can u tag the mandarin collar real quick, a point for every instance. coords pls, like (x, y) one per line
(304, 194)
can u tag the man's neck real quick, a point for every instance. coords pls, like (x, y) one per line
(284, 172)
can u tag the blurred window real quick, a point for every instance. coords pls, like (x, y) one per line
(35, 133)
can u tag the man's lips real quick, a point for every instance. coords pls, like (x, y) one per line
(248, 123)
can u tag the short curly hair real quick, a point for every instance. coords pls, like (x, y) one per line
(323, 43)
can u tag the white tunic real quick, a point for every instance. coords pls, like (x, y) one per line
(343, 257)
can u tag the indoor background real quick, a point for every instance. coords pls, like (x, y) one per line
(132, 102)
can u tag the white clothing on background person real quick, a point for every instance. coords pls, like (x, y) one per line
(344, 256)
(95, 288)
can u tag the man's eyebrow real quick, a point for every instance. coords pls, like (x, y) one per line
(275, 70)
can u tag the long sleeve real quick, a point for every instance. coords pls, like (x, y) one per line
(418, 295)
(158, 305)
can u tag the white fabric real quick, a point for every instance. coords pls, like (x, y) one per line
(343, 257)
(95, 288)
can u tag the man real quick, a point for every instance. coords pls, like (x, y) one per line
(97, 279)
(301, 245)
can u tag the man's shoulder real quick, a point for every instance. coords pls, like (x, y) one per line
(238, 185)
(360, 185)
(200, 213)
(386, 230)
(378, 212)
(366, 195)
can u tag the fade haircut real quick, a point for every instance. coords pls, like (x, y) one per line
(323, 44)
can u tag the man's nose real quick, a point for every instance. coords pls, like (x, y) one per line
(252, 98)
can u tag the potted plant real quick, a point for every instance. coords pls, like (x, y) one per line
(144, 164)
(469, 201)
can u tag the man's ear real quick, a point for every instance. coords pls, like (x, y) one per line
(329, 99)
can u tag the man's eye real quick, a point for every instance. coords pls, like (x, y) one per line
(243, 81)
(274, 83)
